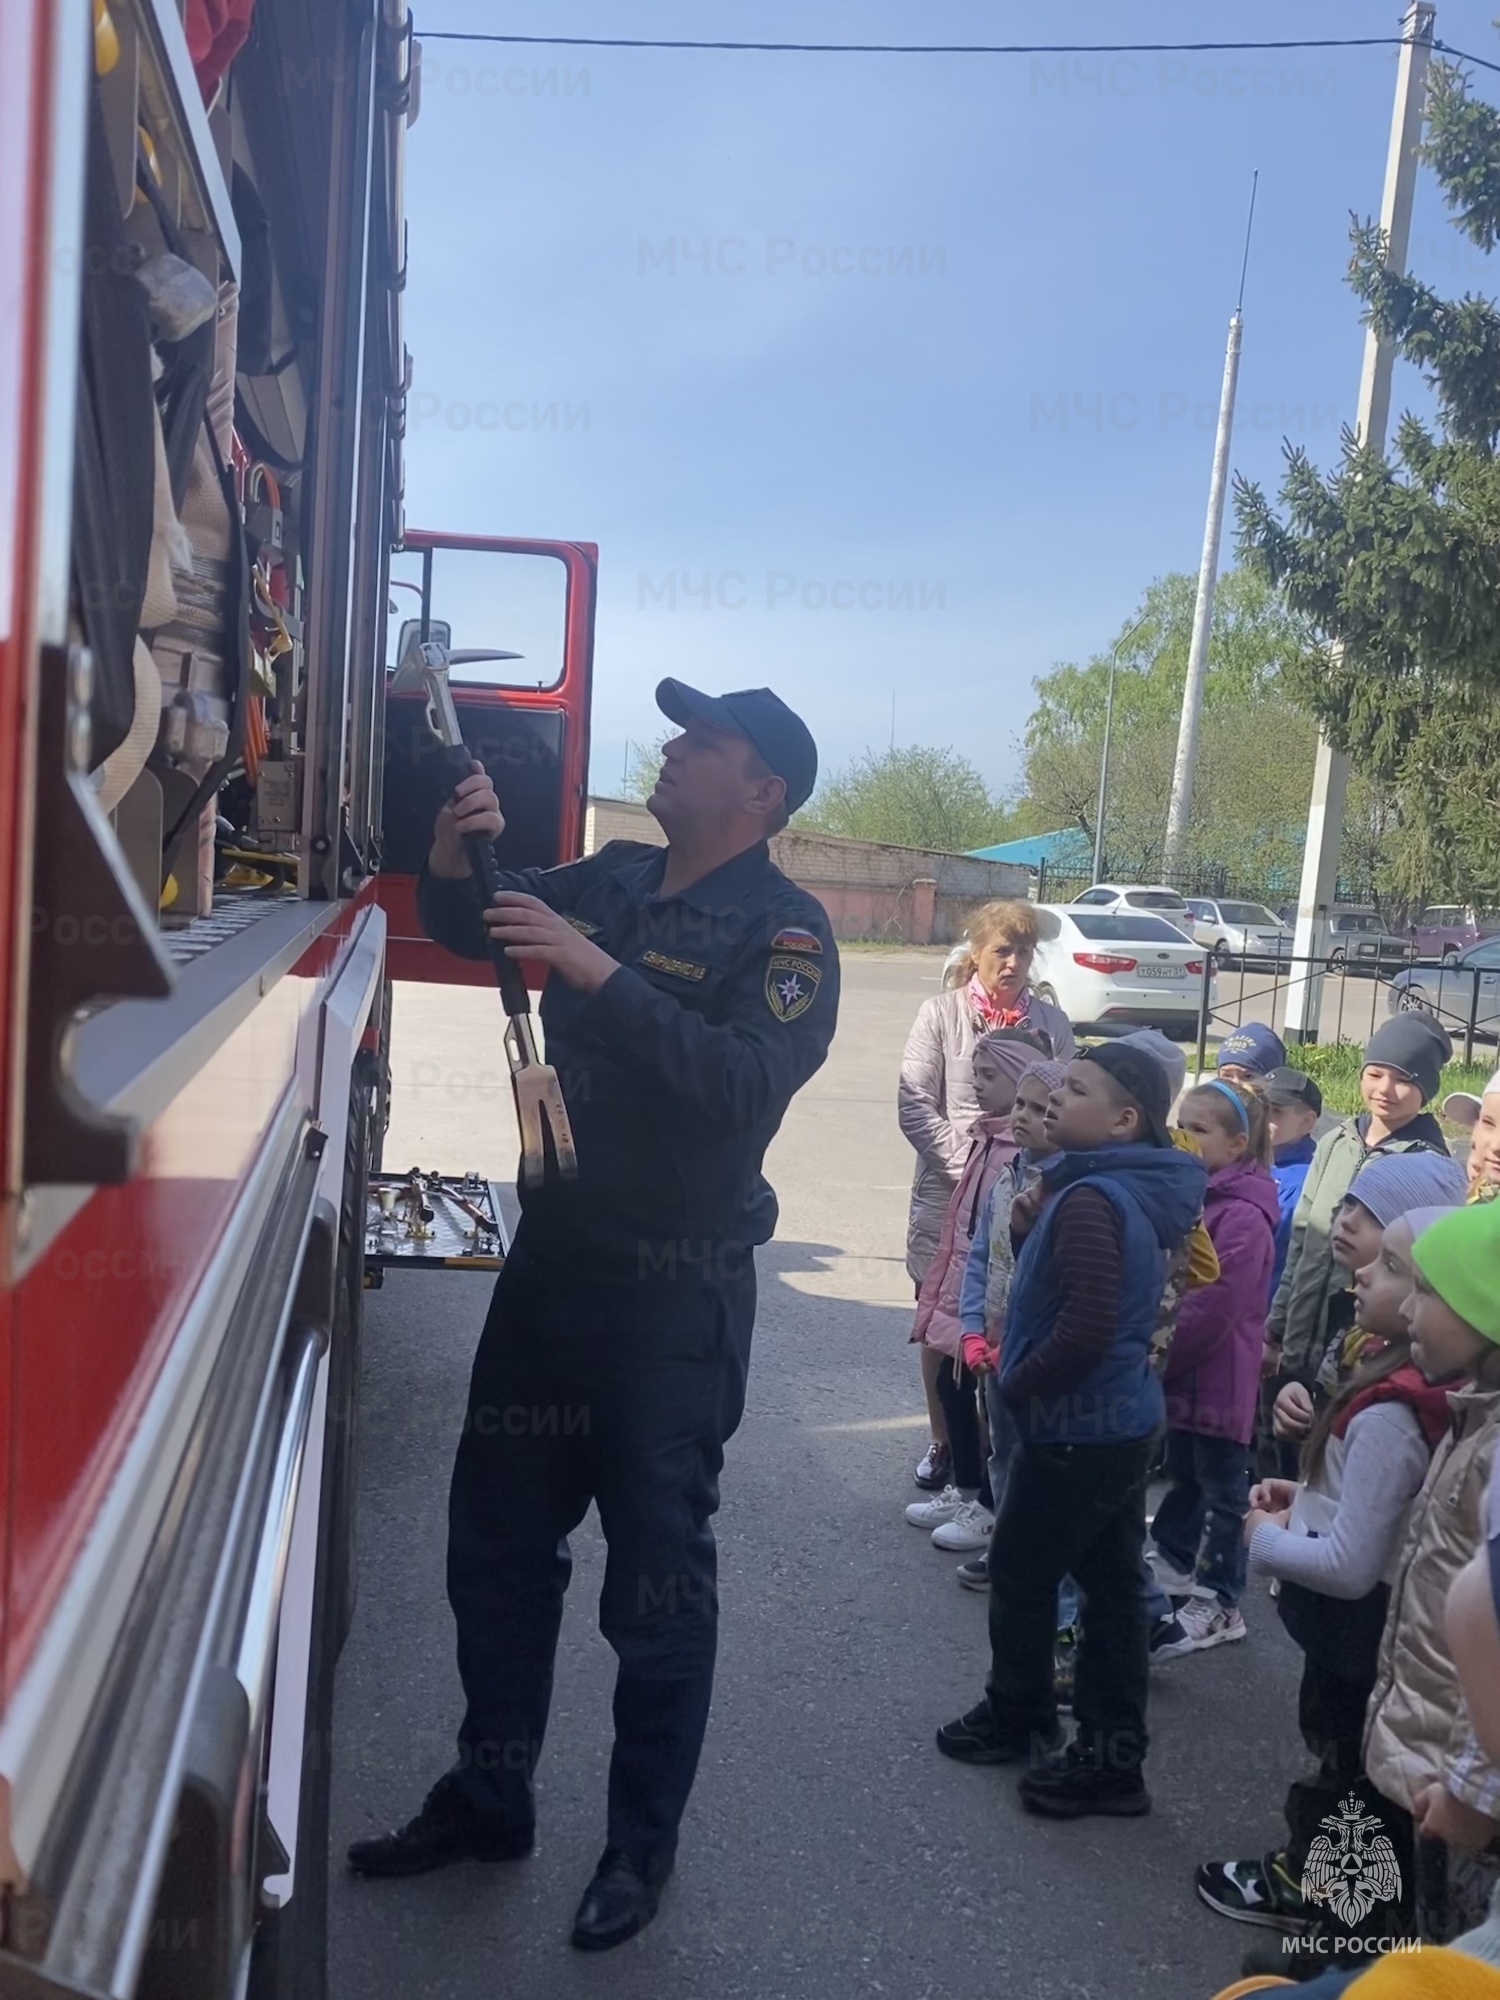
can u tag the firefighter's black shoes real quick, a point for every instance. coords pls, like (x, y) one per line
(620, 1901)
(448, 1828)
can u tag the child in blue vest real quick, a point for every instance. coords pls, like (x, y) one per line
(1076, 1377)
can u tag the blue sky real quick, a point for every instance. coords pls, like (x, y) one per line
(959, 327)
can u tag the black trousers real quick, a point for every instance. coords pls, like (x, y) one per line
(1080, 1511)
(958, 1392)
(623, 1394)
(1331, 1714)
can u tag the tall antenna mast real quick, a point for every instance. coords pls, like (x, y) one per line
(1208, 575)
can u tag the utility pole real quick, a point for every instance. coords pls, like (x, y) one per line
(1325, 819)
(1180, 808)
(1109, 725)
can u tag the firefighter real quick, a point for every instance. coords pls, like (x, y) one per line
(691, 991)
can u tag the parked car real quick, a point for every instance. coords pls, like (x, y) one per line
(1137, 896)
(1451, 991)
(1357, 938)
(1446, 931)
(1247, 933)
(1126, 966)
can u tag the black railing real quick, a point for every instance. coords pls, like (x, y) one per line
(1364, 992)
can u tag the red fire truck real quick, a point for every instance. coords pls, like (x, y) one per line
(211, 813)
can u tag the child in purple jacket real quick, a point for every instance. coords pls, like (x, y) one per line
(1213, 1374)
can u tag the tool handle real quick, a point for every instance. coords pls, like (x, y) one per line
(485, 871)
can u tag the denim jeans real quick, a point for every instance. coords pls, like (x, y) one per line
(1002, 1443)
(1199, 1526)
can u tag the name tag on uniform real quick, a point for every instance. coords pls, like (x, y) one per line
(583, 927)
(680, 968)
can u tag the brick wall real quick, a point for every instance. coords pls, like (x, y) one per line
(867, 888)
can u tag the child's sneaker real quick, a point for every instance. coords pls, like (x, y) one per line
(970, 1528)
(930, 1514)
(1208, 1623)
(933, 1468)
(975, 1573)
(1170, 1639)
(1255, 1892)
(1069, 1787)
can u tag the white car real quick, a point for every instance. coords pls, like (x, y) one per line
(1137, 896)
(1243, 933)
(1126, 967)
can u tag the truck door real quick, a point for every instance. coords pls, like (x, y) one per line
(526, 719)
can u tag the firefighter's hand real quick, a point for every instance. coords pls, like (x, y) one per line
(1440, 1816)
(473, 808)
(528, 928)
(1293, 1413)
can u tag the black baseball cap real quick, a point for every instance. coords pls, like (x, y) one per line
(1290, 1086)
(782, 738)
(1143, 1080)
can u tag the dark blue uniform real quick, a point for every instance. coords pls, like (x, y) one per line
(613, 1362)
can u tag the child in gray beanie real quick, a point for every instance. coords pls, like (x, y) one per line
(1402, 1070)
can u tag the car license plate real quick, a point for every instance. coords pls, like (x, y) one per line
(1159, 971)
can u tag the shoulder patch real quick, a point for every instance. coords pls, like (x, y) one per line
(797, 940)
(791, 985)
(680, 968)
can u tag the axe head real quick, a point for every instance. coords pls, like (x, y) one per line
(425, 671)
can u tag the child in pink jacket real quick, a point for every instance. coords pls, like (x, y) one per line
(961, 1517)
(1212, 1378)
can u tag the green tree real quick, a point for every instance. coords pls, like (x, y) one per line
(1255, 748)
(917, 796)
(643, 765)
(1395, 564)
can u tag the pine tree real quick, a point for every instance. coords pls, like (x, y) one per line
(1396, 563)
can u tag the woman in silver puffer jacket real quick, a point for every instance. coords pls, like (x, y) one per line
(989, 988)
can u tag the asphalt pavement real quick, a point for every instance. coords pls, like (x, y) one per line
(829, 1851)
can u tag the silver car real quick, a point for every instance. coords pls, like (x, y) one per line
(1240, 933)
(1454, 992)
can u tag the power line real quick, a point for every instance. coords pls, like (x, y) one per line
(949, 48)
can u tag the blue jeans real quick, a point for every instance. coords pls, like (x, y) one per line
(1200, 1522)
(1003, 1441)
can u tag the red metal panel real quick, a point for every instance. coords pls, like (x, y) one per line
(94, 1317)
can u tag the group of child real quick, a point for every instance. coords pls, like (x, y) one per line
(1225, 1301)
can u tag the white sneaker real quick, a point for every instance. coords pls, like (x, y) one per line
(970, 1528)
(1207, 1623)
(933, 1513)
(1175, 1582)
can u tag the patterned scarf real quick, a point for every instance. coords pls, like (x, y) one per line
(992, 1013)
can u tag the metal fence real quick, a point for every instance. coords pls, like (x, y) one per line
(1274, 887)
(1348, 1001)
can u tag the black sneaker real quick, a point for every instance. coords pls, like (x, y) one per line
(975, 1573)
(448, 1828)
(1255, 1892)
(1072, 1787)
(934, 1468)
(976, 1739)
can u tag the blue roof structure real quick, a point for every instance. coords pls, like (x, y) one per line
(1066, 849)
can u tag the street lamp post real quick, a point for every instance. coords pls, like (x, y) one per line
(1109, 723)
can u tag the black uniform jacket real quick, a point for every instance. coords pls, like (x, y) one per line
(678, 1071)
